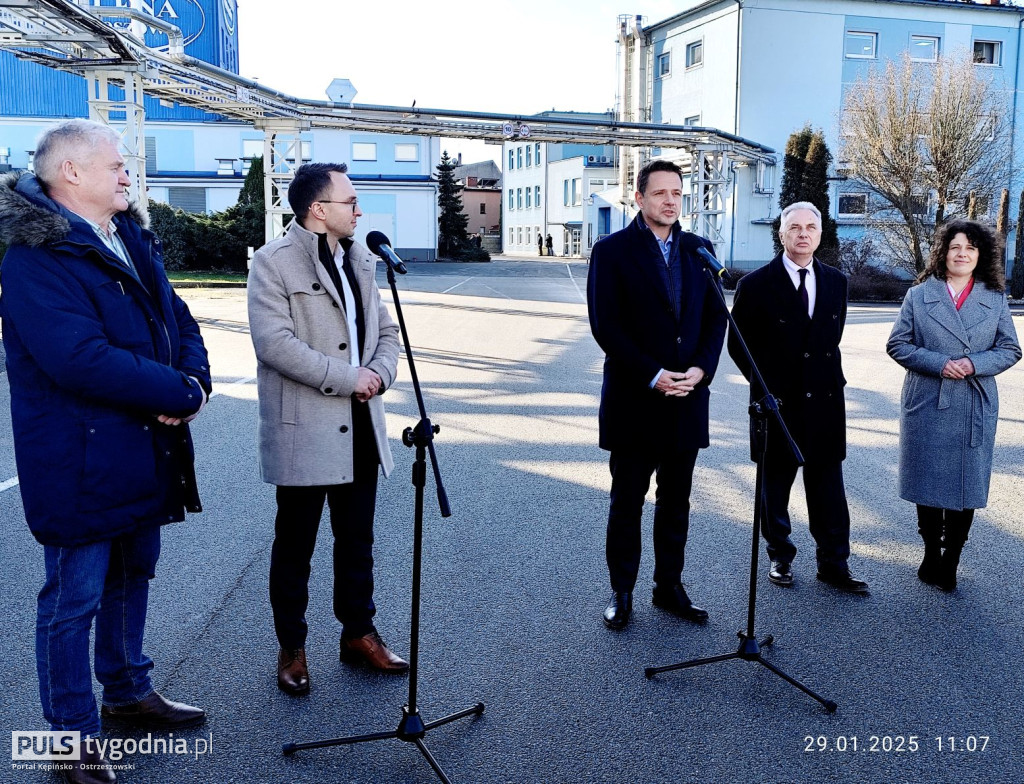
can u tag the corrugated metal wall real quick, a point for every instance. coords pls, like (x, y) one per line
(31, 90)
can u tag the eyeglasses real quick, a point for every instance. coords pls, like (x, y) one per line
(353, 203)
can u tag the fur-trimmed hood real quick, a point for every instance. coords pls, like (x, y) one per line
(29, 217)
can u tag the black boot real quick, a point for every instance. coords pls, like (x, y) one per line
(958, 524)
(929, 525)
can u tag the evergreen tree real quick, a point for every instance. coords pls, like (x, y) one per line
(815, 190)
(1017, 277)
(452, 238)
(246, 220)
(792, 176)
(805, 178)
(1003, 218)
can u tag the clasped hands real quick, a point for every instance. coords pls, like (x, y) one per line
(672, 383)
(368, 384)
(958, 368)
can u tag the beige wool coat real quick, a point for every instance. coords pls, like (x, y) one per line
(305, 378)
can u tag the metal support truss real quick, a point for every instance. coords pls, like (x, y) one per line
(129, 113)
(282, 155)
(86, 39)
(709, 185)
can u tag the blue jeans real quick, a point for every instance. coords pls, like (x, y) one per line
(108, 581)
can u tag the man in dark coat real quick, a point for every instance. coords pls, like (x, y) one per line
(792, 312)
(106, 367)
(656, 317)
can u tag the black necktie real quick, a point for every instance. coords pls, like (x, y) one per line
(803, 292)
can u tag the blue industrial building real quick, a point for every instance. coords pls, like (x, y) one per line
(196, 160)
(763, 70)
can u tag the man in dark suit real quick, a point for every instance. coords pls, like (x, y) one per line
(656, 317)
(792, 312)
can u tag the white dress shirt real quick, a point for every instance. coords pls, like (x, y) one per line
(350, 306)
(794, 273)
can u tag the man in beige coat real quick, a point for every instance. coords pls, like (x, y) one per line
(326, 349)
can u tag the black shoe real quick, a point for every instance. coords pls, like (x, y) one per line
(91, 768)
(155, 712)
(620, 607)
(781, 573)
(843, 580)
(674, 600)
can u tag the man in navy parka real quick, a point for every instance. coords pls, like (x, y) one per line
(106, 368)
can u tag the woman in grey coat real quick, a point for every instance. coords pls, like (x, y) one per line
(954, 333)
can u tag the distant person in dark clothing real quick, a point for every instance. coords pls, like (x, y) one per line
(540, 245)
(551, 245)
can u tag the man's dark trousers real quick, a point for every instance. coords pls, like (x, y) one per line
(299, 510)
(631, 478)
(827, 512)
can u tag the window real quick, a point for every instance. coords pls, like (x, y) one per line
(519, 235)
(519, 198)
(765, 178)
(861, 46)
(252, 148)
(987, 127)
(529, 155)
(577, 192)
(150, 155)
(529, 195)
(407, 152)
(519, 157)
(511, 202)
(851, 204)
(483, 208)
(364, 151)
(850, 122)
(988, 53)
(664, 64)
(511, 235)
(686, 205)
(694, 54)
(924, 48)
(565, 193)
(692, 120)
(187, 199)
(536, 153)
(919, 205)
(511, 159)
(536, 196)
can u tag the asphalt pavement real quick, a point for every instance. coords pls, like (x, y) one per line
(514, 584)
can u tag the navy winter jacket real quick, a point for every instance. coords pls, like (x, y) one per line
(94, 355)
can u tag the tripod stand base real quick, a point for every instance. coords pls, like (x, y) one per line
(411, 729)
(749, 650)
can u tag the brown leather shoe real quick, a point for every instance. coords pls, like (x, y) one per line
(292, 673)
(155, 712)
(90, 769)
(372, 650)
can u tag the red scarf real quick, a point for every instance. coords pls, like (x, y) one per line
(959, 300)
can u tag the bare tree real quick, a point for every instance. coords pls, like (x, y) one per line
(918, 132)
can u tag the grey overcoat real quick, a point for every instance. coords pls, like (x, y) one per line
(304, 373)
(948, 426)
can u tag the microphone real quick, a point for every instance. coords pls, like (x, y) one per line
(713, 264)
(380, 245)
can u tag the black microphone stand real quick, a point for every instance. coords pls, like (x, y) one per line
(411, 728)
(750, 648)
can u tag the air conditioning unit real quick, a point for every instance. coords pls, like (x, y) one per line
(591, 159)
(604, 159)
